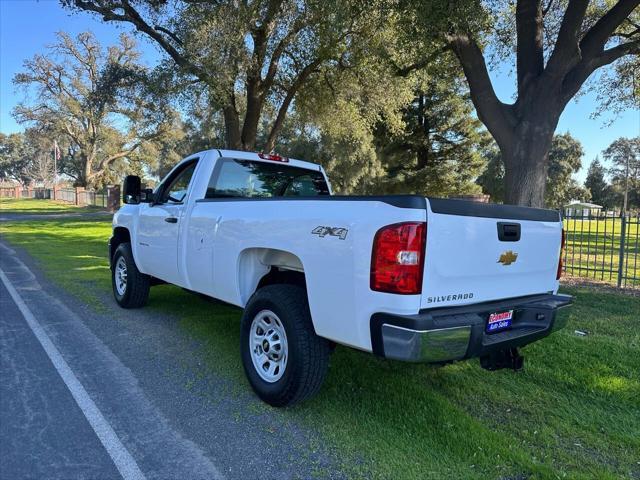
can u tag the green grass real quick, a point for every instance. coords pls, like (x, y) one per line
(35, 206)
(595, 245)
(572, 413)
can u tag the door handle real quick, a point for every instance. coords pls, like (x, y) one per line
(171, 220)
(508, 232)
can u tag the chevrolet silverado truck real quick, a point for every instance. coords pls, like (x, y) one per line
(402, 276)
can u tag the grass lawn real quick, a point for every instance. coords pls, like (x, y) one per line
(574, 412)
(31, 205)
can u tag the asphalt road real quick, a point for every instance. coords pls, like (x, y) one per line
(122, 395)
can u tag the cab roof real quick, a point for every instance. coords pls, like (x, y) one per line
(240, 155)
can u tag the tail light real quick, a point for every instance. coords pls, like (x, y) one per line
(397, 259)
(273, 157)
(559, 274)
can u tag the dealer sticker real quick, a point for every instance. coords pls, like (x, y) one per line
(499, 321)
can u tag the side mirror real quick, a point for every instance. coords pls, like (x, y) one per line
(147, 196)
(131, 190)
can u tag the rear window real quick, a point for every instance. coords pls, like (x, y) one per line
(250, 179)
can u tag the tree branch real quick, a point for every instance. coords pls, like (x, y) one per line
(579, 74)
(107, 160)
(284, 107)
(530, 58)
(492, 112)
(420, 64)
(132, 16)
(173, 36)
(595, 39)
(547, 8)
(278, 51)
(614, 53)
(566, 52)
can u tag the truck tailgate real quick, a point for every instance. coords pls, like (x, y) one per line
(480, 252)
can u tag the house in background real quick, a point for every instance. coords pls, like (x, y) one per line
(582, 209)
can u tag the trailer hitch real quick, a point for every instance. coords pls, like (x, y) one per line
(508, 358)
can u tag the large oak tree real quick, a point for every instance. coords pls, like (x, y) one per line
(550, 72)
(253, 57)
(94, 101)
(556, 46)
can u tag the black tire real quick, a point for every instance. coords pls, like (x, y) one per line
(136, 289)
(308, 354)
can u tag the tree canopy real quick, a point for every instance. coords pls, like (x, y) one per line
(624, 155)
(252, 57)
(15, 156)
(557, 46)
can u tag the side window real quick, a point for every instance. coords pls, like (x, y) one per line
(234, 179)
(175, 190)
(251, 179)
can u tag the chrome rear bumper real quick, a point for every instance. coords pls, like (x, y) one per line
(439, 345)
(448, 334)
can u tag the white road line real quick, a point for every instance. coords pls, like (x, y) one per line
(121, 457)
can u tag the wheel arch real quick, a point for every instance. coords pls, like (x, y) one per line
(120, 235)
(259, 267)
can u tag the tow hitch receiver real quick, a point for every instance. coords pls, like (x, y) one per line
(508, 358)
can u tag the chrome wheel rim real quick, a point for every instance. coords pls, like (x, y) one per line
(120, 276)
(268, 346)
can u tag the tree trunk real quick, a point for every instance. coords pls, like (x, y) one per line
(251, 118)
(83, 179)
(525, 178)
(232, 128)
(526, 160)
(423, 157)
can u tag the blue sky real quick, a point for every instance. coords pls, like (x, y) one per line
(26, 26)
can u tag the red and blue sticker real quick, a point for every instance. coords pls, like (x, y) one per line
(499, 321)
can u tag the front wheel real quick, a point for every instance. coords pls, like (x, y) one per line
(283, 358)
(130, 286)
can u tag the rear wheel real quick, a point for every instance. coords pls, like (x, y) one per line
(130, 286)
(283, 358)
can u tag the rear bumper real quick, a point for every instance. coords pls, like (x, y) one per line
(448, 334)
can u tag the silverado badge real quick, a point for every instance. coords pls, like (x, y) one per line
(508, 257)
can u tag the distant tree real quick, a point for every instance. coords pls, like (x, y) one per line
(565, 159)
(437, 151)
(492, 178)
(624, 155)
(597, 185)
(557, 46)
(41, 169)
(97, 101)
(573, 191)
(15, 155)
(252, 57)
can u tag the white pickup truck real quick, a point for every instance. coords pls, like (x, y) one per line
(403, 276)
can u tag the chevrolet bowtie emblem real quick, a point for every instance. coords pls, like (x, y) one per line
(508, 257)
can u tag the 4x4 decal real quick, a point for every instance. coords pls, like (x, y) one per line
(322, 232)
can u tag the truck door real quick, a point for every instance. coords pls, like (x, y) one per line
(159, 225)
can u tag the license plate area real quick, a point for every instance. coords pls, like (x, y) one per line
(499, 321)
